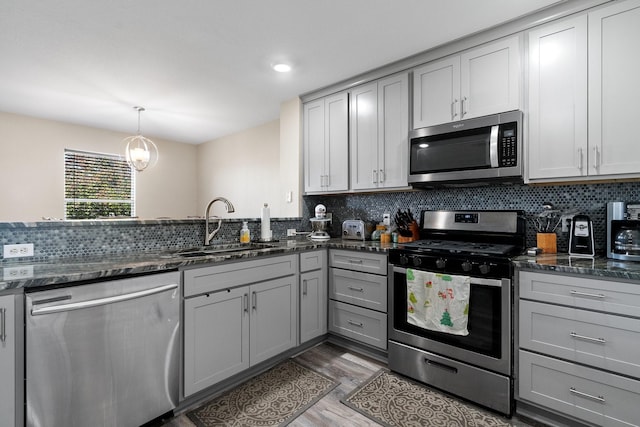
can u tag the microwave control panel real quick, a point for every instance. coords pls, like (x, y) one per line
(508, 153)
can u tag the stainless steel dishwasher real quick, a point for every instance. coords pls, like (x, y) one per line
(103, 354)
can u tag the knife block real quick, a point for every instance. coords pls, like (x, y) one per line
(547, 242)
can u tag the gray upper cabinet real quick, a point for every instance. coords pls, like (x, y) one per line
(480, 81)
(582, 88)
(379, 126)
(326, 144)
(558, 100)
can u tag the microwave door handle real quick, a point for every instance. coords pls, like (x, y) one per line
(493, 146)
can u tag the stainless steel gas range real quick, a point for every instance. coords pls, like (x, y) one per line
(473, 245)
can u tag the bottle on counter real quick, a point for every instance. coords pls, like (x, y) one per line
(265, 224)
(245, 234)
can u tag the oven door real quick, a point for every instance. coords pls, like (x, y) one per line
(488, 344)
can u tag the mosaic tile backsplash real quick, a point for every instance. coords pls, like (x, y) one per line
(97, 238)
(587, 199)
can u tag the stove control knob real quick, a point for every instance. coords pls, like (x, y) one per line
(404, 260)
(485, 268)
(466, 266)
(417, 261)
(441, 262)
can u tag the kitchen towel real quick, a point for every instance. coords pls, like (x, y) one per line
(438, 302)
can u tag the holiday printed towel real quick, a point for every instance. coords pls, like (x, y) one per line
(438, 302)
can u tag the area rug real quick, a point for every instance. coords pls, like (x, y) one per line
(392, 400)
(273, 398)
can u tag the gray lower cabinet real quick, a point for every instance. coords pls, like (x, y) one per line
(358, 296)
(578, 347)
(313, 295)
(10, 367)
(247, 314)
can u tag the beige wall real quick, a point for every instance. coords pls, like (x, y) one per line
(253, 167)
(32, 170)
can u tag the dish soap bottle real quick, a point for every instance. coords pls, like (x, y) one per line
(245, 234)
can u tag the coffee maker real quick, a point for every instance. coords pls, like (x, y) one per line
(623, 230)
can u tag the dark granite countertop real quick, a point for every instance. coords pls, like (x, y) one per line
(30, 275)
(597, 266)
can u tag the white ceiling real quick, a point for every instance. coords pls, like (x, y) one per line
(201, 68)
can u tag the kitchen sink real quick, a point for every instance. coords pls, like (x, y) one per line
(222, 249)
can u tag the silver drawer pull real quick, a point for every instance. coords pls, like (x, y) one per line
(585, 338)
(355, 261)
(358, 324)
(356, 289)
(586, 294)
(588, 396)
(3, 324)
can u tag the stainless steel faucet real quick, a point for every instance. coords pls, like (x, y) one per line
(209, 236)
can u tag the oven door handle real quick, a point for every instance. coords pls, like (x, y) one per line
(474, 280)
(493, 147)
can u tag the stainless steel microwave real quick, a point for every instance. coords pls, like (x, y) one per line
(474, 151)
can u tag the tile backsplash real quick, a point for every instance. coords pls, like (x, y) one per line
(55, 239)
(587, 199)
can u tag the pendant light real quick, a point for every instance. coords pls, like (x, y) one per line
(141, 152)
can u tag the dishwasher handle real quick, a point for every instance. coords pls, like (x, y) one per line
(101, 301)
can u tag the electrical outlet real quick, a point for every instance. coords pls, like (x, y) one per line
(291, 232)
(17, 251)
(386, 219)
(21, 272)
(565, 223)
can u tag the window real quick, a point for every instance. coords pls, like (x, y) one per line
(97, 185)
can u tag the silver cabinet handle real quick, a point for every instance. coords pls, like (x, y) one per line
(374, 176)
(355, 261)
(355, 289)
(587, 395)
(246, 303)
(580, 159)
(585, 338)
(100, 301)
(454, 112)
(463, 112)
(3, 324)
(381, 175)
(358, 324)
(254, 300)
(304, 287)
(586, 294)
(596, 155)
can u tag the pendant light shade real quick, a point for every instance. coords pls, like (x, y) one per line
(140, 151)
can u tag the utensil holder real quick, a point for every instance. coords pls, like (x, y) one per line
(547, 242)
(415, 231)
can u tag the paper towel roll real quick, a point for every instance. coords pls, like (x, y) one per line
(265, 226)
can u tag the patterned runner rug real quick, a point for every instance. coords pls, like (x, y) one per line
(391, 400)
(273, 398)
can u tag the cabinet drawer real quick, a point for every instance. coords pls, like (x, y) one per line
(597, 339)
(312, 260)
(217, 277)
(588, 394)
(363, 289)
(579, 291)
(360, 324)
(359, 261)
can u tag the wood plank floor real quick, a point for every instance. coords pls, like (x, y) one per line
(347, 367)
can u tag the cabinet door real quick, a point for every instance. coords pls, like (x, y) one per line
(490, 78)
(216, 337)
(313, 304)
(614, 66)
(393, 131)
(436, 92)
(558, 100)
(337, 142)
(274, 318)
(313, 122)
(363, 145)
(7, 362)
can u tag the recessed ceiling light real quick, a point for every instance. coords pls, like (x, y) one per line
(282, 68)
